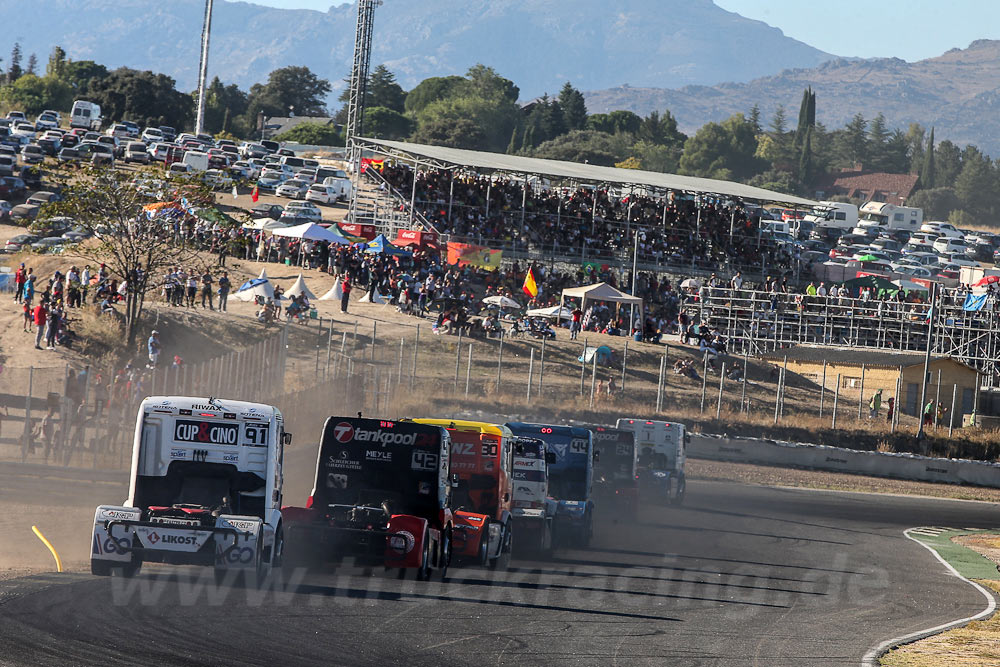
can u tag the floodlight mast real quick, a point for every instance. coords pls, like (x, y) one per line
(206, 30)
(359, 88)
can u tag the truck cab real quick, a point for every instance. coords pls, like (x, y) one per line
(534, 511)
(571, 478)
(482, 468)
(662, 454)
(205, 489)
(616, 469)
(382, 496)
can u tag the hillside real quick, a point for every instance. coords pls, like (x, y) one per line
(539, 44)
(958, 93)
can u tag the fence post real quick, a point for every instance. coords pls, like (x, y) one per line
(704, 382)
(937, 400)
(329, 345)
(659, 383)
(500, 363)
(374, 341)
(541, 367)
(746, 370)
(27, 415)
(399, 375)
(896, 405)
(354, 339)
(951, 422)
(861, 399)
(836, 399)
(343, 343)
(468, 371)
(531, 372)
(458, 359)
(583, 363)
(784, 380)
(319, 337)
(722, 379)
(416, 344)
(777, 395)
(822, 390)
(593, 379)
(624, 365)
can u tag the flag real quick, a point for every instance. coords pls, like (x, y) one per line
(254, 195)
(530, 287)
(235, 192)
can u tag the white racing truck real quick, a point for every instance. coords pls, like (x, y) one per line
(533, 511)
(205, 489)
(662, 455)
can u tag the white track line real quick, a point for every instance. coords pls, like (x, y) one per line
(871, 659)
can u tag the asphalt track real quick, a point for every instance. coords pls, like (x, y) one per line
(740, 575)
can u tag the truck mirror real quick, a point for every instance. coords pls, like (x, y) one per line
(286, 438)
(454, 479)
(519, 449)
(550, 457)
(597, 455)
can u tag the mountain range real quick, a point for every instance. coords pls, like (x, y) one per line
(539, 44)
(958, 93)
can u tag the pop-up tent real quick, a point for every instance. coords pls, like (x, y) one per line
(552, 312)
(255, 287)
(310, 231)
(264, 224)
(600, 292)
(335, 293)
(299, 287)
(380, 245)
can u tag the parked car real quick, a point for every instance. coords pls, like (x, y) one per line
(5, 208)
(941, 229)
(136, 151)
(116, 146)
(169, 133)
(272, 211)
(322, 194)
(249, 149)
(293, 188)
(950, 244)
(217, 179)
(178, 168)
(25, 212)
(12, 187)
(151, 135)
(101, 153)
(307, 175)
(49, 146)
(46, 120)
(132, 129)
(16, 115)
(48, 244)
(118, 131)
(270, 179)
(20, 242)
(32, 154)
(7, 165)
(305, 210)
(43, 197)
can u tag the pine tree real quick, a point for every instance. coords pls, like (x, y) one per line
(779, 122)
(32, 64)
(811, 116)
(57, 63)
(927, 174)
(14, 72)
(806, 159)
(515, 138)
(755, 118)
(574, 107)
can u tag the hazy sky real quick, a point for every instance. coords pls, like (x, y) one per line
(907, 29)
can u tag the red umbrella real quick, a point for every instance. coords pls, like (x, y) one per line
(987, 280)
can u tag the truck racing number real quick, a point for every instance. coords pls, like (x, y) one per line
(255, 435)
(424, 460)
(578, 447)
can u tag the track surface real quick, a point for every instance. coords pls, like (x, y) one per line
(741, 575)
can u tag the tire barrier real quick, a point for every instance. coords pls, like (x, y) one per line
(835, 459)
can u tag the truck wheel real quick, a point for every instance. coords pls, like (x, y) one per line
(484, 545)
(548, 541)
(100, 568)
(502, 561)
(444, 556)
(678, 497)
(424, 571)
(130, 569)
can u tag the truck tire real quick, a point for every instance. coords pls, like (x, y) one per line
(424, 571)
(444, 555)
(484, 545)
(678, 497)
(502, 561)
(100, 568)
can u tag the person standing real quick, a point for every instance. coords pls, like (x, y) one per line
(875, 405)
(192, 287)
(206, 289)
(51, 327)
(19, 279)
(345, 298)
(153, 347)
(575, 323)
(224, 286)
(891, 404)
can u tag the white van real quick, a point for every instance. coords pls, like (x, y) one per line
(294, 163)
(86, 115)
(196, 160)
(833, 215)
(343, 185)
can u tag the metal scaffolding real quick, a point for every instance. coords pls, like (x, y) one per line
(758, 323)
(358, 91)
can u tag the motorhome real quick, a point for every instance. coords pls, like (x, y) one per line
(833, 214)
(879, 216)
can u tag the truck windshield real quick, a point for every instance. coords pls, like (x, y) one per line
(371, 462)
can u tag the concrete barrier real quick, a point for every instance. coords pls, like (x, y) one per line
(836, 459)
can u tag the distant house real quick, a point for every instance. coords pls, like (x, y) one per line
(856, 183)
(281, 124)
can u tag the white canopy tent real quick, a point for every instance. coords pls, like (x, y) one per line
(378, 299)
(553, 312)
(264, 224)
(263, 275)
(310, 231)
(599, 292)
(265, 289)
(299, 287)
(335, 293)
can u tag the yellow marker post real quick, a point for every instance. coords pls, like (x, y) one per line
(49, 545)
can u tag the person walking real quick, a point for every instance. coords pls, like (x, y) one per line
(224, 286)
(345, 298)
(875, 404)
(929, 413)
(40, 315)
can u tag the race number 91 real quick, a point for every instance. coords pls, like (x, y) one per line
(255, 435)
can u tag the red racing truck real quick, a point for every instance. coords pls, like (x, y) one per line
(382, 497)
(482, 467)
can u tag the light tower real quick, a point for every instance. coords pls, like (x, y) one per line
(359, 88)
(199, 123)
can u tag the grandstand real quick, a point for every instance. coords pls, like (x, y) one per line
(554, 211)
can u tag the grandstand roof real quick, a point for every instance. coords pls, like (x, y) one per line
(586, 173)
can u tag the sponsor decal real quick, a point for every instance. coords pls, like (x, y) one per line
(231, 457)
(203, 407)
(421, 460)
(187, 430)
(336, 481)
(600, 435)
(378, 455)
(579, 446)
(343, 432)
(424, 488)
(463, 449)
(119, 514)
(343, 460)
(240, 524)
(560, 449)
(402, 542)
(178, 453)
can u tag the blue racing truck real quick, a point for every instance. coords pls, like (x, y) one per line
(571, 478)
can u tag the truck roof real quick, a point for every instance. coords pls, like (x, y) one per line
(466, 425)
(578, 431)
(239, 409)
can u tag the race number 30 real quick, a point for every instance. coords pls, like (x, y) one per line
(422, 460)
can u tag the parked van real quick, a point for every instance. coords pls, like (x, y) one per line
(295, 163)
(343, 185)
(86, 115)
(833, 214)
(880, 216)
(196, 160)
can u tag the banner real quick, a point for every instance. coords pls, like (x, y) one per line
(974, 302)
(377, 165)
(466, 254)
(416, 237)
(357, 230)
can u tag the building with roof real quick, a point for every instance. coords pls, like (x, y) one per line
(869, 370)
(862, 185)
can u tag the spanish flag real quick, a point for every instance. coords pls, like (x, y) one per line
(530, 287)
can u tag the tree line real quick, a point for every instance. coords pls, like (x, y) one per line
(480, 111)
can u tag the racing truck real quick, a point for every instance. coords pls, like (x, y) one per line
(662, 454)
(616, 470)
(205, 489)
(570, 478)
(482, 473)
(533, 511)
(382, 496)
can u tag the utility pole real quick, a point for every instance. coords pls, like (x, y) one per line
(206, 30)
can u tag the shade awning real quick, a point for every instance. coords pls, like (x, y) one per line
(310, 231)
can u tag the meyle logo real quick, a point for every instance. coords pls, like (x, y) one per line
(343, 432)
(377, 455)
(386, 437)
